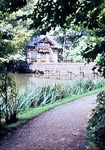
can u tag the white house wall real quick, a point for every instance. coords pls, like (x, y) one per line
(33, 56)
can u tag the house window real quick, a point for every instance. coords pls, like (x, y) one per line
(41, 44)
(29, 54)
(43, 56)
(46, 45)
(33, 55)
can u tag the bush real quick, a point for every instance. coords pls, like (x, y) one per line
(96, 124)
(8, 98)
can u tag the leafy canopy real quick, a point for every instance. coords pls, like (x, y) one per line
(14, 29)
(47, 14)
(60, 12)
(11, 5)
(89, 14)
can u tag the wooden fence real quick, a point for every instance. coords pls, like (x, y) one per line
(67, 75)
(67, 71)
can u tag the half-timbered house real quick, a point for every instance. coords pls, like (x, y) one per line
(42, 49)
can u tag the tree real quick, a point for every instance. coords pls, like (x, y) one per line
(14, 32)
(11, 5)
(72, 41)
(48, 13)
(8, 97)
(89, 14)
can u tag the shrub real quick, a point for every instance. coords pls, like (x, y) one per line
(96, 124)
(8, 97)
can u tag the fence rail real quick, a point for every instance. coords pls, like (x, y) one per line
(67, 75)
(67, 71)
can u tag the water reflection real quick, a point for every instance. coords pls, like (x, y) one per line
(30, 81)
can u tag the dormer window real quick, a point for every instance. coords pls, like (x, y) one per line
(40, 44)
(46, 44)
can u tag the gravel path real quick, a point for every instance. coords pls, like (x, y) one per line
(62, 128)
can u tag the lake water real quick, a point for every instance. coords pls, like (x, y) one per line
(29, 81)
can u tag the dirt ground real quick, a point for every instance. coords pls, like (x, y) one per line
(62, 128)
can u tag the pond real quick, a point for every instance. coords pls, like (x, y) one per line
(30, 81)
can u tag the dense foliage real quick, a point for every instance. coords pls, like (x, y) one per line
(11, 5)
(73, 43)
(14, 30)
(96, 124)
(52, 13)
(13, 34)
(8, 97)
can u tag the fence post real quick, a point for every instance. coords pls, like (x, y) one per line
(58, 72)
(48, 74)
(70, 75)
(82, 74)
(95, 74)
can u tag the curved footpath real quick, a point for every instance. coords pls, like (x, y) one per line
(62, 128)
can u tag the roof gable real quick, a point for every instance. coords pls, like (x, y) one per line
(36, 40)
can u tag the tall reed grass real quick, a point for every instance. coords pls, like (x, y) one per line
(51, 93)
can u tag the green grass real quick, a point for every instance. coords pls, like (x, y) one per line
(34, 112)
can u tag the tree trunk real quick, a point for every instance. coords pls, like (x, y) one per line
(6, 96)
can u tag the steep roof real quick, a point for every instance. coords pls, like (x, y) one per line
(36, 40)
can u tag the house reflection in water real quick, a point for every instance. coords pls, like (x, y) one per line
(42, 49)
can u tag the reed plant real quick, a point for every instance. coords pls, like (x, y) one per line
(55, 92)
(42, 96)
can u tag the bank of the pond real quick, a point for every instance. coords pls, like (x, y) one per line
(31, 113)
